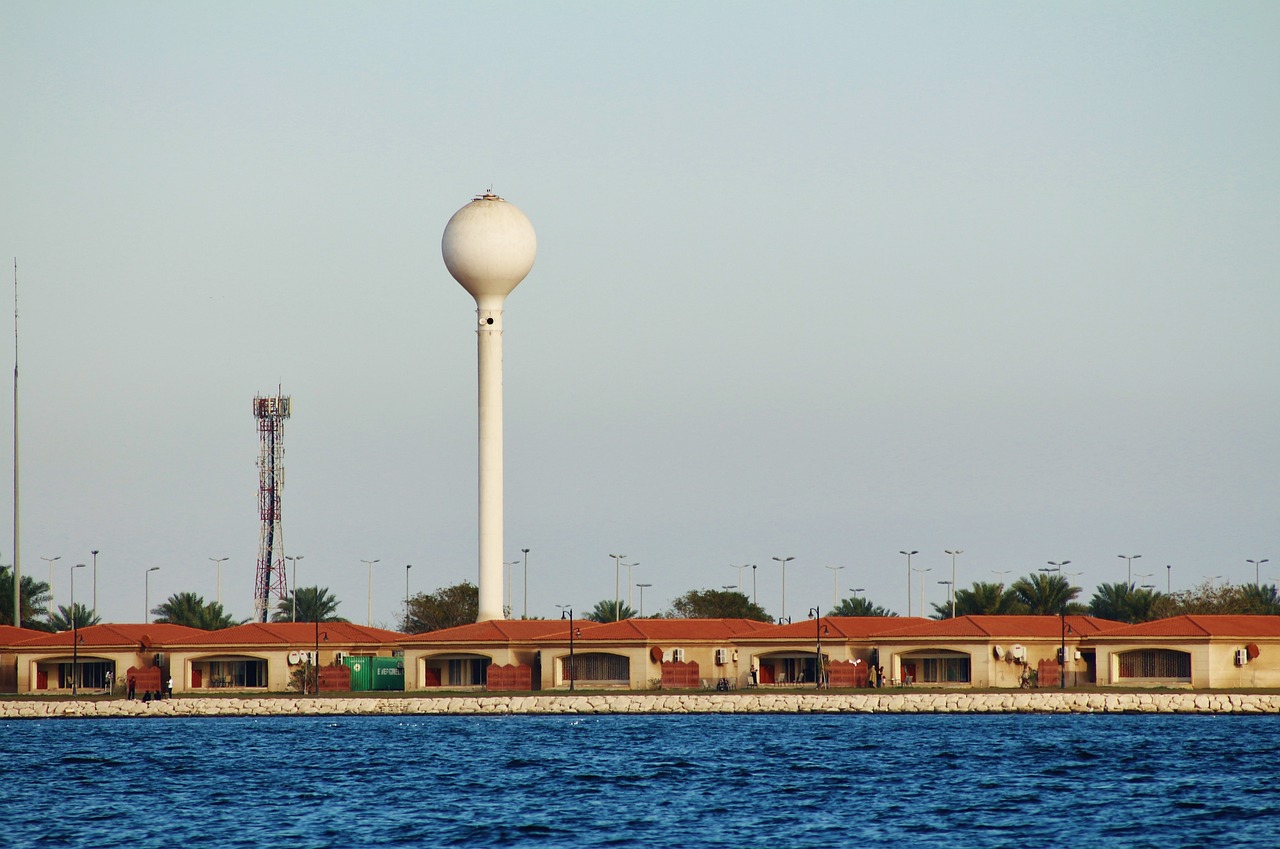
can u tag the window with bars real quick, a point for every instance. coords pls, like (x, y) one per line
(596, 666)
(1155, 663)
(950, 670)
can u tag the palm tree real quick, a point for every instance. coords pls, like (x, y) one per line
(984, 599)
(859, 606)
(1261, 600)
(1126, 603)
(605, 611)
(1046, 594)
(35, 599)
(84, 617)
(190, 609)
(315, 604)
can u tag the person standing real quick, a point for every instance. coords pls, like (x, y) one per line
(169, 686)
(111, 680)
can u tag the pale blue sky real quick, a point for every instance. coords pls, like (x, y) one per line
(828, 280)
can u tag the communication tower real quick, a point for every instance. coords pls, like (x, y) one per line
(270, 411)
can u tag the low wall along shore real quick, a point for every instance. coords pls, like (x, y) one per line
(662, 703)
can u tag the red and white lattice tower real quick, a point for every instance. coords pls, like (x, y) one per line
(270, 413)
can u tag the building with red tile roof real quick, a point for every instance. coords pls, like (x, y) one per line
(1200, 651)
(103, 654)
(460, 657)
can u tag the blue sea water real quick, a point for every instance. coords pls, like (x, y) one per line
(850, 780)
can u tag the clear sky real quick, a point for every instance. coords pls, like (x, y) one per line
(822, 280)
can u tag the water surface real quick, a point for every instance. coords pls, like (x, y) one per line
(853, 780)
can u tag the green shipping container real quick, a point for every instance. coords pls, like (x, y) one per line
(375, 673)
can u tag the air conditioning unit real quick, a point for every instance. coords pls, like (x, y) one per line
(1242, 657)
(722, 657)
(677, 655)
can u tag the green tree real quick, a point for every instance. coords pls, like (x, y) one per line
(315, 604)
(445, 608)
(859, 606)
(190, 609)
(1209, 598)
(35, 600)
(983, 599)
(1261, 600)
(717, 604)
(605, 611)
(1044, 594)
(61, 620)
(1127, 603)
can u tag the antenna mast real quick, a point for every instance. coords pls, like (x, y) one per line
(270, 413)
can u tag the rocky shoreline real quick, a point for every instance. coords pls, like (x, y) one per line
(659, 703)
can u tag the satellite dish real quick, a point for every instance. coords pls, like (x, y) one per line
(1018, 650)
(293, 658)
(998, 651)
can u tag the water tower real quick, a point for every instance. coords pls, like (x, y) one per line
(489, 246)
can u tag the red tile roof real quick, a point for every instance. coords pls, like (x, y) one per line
(153, 635)
(292, 634)
(492, 631)
(663, 630)
(13, 636)
(1006, 627)
(848, 627)
(1204, 626)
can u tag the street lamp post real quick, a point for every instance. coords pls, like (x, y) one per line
(617, 584)
(835, 592)
(568, 609)
(630, 586)
(642, 586)
(739, 568)
(294, 580)
(95, 579)
(816, 614)
(784, 561)
(953, 553)
(754, 598)
(921, 572)
(1129, 558)
(75, 631)
(1257, 570)
(407, 567)
(50, 561)
(370, 563)
(909, 553)
(526, 582)
(950, 592)
(510, 605)
(218, 561)
(146, 596)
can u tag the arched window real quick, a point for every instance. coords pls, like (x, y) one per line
(597, 666)
(1156, 663)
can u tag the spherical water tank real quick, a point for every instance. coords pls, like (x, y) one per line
(489, 246)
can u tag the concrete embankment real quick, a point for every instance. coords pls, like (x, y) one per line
(661, 703)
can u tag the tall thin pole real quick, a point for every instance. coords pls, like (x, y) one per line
(953, 552)
(95, 579)
(218, 562)
(370, 563)
(642, 586)
(784, 561)
(835, 592)
(17, 550)
(50, 560)
(526, 582)
(909, 553)
(630, 586)
(617, 584)
(146, 593)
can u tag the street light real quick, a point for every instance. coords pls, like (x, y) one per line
(370, 563)
(1001, 573)
(507, 564)
(407, 567)
(218, 561)
(784, 561)
(146, 597)
(921, 572)
(50, 560)
(909, 553)
(617, 583)
(526, 582)
(953, 553)
(754, 599)
(629, 565)
(816, 615)
(950, 588)
(835, 593)
(642, 586)
(95, 579)
(568, 609)
(739, 568)
(1257, 570)
(1129, 558)
(294, 580)
(75, 632)
(1168, 578)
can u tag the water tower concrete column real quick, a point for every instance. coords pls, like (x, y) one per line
(489, 246)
